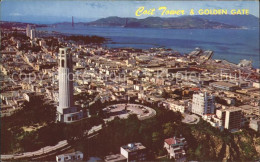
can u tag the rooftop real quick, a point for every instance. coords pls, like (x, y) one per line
(226, 84)
(133, 147)
(114, 157)
(70, 154)
(175, 141)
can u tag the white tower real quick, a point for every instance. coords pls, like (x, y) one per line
(67, 112)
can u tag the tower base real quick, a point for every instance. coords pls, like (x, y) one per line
(69, 117)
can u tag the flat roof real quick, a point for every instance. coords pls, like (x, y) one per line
(233, 109)
(226, 84)
(114, 157)
(70, 154)
(133, 147)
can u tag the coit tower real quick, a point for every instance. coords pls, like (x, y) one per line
(67, 112)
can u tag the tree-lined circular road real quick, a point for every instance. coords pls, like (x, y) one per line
(124, 110)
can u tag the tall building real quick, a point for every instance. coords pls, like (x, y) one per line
(72, 22)
(66, 110)
(32, 33)
(28, 30)
(233, 119)
(203, 103)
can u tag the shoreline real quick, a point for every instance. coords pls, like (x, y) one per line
(111, 42)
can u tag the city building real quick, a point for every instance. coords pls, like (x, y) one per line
(221, 114)
(32, 33)
(214, 121)
(233, 119)
(203, 103)
(42, 43)
(249, 109)
(28, 30)
(66, 110)
(177, 106)
(224, 86)
(115, 158)
(255, 124)
(176, 148)
(75, 156)
(256, 84)
(134, 152)
(130, 152)
(245, 63)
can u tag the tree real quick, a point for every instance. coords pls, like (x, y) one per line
(168, 129)
(155, 137)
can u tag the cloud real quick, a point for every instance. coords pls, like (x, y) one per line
(95, 4)
(15, 14)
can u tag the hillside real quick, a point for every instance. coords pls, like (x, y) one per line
(183, 22)
(205, 143)
(8, 25)
(248, 21)
(210, 144)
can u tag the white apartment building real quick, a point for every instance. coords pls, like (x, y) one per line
(176, 106)
(214, 121)
(203, 103)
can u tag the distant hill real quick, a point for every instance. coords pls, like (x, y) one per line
(182, 22)
(8, 24)
(248, 21)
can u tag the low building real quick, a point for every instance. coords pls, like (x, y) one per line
(256, 84)
(255, 125)
(214, 121)
(176, 106)
(134, 152)
(176, 148)
(75, 156)
(221, 114)
(115, 158)
(224, 86)
(248, 109)
(29, 95)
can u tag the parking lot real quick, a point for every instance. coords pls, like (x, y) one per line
(123, 110)
(190, 119)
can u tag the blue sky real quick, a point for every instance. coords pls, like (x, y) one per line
(50, 11)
